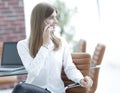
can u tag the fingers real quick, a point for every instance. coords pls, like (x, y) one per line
(47, 34)
(50, 29)
(86, 82)
(89, 80)
(47, 31)
(46, 27)
(83, 83)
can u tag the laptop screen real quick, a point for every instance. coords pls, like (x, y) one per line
(10, 55)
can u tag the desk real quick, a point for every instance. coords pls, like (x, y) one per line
(13, 73)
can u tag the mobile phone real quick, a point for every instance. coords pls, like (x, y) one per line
(45, 23)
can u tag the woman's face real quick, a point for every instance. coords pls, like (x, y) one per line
(51, 20)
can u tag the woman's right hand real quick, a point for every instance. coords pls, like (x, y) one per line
(46, 35)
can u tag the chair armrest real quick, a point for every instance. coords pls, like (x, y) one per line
(95, 66)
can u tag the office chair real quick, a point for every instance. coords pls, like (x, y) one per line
(81, 46)
(95, 65)
(82, 62)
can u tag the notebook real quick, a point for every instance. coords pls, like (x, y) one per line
(10, 60)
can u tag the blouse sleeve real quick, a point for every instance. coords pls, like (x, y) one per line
(32, 65)
(69, 67)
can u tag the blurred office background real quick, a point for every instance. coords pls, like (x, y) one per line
(95, 21)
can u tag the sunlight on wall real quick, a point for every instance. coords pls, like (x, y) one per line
(110, 21)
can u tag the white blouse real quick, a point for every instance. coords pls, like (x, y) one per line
(45, 69)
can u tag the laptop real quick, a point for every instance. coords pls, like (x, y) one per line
(10, 60)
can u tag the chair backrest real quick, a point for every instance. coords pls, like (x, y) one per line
(82, 62)
(95, 65)
(81, 45)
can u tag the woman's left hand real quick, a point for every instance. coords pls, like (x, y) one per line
(86, 82)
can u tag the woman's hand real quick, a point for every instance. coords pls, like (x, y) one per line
(47, 34)
(86, 82)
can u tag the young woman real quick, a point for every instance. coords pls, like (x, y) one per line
(44, 54)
